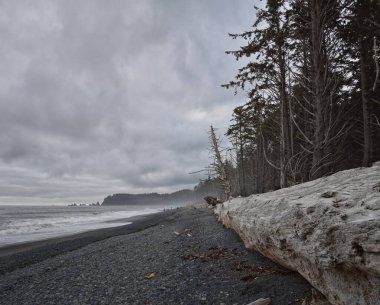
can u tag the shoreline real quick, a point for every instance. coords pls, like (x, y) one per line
(48, 223)
(26, 253)
(180, 256)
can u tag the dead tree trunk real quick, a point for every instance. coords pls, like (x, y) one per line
(242, 165)
(218, 165)
(285, 134)
(285, 145)
(319, 71)
(367, 145)
(259, 167)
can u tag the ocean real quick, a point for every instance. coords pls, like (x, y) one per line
(20, 224)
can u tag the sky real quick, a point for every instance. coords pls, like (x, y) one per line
(101, 97)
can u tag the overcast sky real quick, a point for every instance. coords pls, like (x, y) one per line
(107, 96)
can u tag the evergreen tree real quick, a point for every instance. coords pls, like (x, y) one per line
(314, 66)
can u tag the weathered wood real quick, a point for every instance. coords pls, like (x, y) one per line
(327, 230)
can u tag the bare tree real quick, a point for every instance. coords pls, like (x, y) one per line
(218, 166)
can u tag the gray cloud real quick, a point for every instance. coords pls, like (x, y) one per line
(98, 97)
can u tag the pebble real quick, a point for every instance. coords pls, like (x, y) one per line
(89, 276)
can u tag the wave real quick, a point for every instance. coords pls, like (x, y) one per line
(36, 226)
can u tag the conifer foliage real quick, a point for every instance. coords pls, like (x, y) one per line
(313, 92)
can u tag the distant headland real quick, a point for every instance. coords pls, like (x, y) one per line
(208, 187)
(179, 197)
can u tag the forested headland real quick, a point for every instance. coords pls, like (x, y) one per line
(311, 82)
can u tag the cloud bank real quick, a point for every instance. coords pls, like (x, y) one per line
(98, 97)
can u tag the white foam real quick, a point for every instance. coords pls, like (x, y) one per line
(32, 226)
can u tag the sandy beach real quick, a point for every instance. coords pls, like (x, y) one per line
(180, 256)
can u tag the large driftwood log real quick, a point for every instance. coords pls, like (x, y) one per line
(328, 230)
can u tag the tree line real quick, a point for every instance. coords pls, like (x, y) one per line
(312, 89)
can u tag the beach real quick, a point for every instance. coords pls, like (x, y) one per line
(179, 256)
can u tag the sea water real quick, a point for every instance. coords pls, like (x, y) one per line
(19, 224)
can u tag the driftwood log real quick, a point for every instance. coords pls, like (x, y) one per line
(212, 200)
(327, 229)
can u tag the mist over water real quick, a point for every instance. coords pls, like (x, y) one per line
(20, 224)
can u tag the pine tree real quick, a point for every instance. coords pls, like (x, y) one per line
(314, 66)
(266, 73)
(360, 31)
(240, 134)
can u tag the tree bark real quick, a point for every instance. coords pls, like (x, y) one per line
(367, 140)
(242, 165)
(308, 128)
(259, 166)
(317, 34)
(285, 116)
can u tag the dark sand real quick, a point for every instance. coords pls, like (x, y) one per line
(204, 264)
